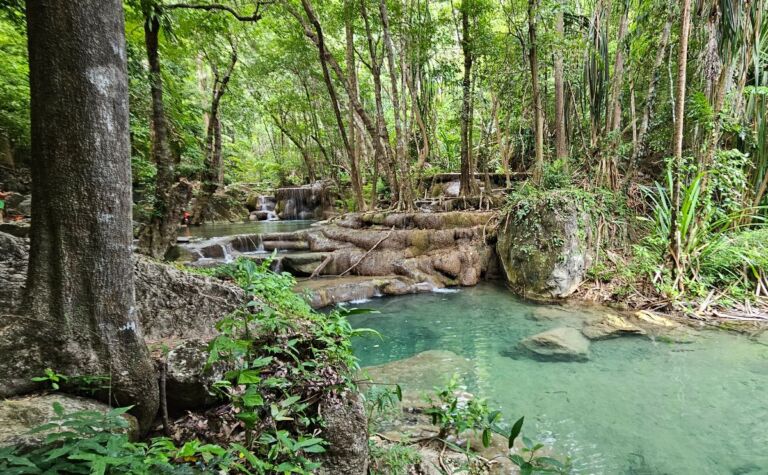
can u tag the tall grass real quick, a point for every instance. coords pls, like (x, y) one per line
(710, 248)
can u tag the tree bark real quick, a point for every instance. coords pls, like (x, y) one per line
(466, 176)
(157, 236)
(677, 145)
(80, 280)
(538, 111)
(406, 187)
(650, 98)
(354, 145)
(561, 145)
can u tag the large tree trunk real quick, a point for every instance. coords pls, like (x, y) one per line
(80, 290)
(466, 176)
(538, 112)
(561, 145)
(677, 146)
(157, 236)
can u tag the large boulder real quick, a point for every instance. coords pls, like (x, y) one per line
(544, 245)
(559, 344)
(346, 431)
(178, 304)
(18, 416)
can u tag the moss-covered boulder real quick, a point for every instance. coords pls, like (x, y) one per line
(544, 244)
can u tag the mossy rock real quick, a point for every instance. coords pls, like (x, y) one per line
(544, 247)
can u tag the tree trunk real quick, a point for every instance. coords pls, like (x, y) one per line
(80, 289)
(677, 146)
(650, 99)
(538, 111)
(354, 145)
(213, 174)
(561, 145)
(466, 177)
(381, 126)
(406, 187)
(609, 170)
(157, 236)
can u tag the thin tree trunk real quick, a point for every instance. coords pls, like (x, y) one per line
(561, 145)
(537, 106)
(157, 236)
(650, 99)
(305, 155)
(80, 290)
(383, 136)
(466, 178)
(677, 146)
(608, 156)
(354, 158)
(406, 187)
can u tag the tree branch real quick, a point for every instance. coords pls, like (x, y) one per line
(225, 8)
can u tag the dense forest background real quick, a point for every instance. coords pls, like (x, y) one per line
(657, 106)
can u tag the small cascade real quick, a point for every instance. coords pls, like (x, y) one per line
(267, 208)
(248, 243)
(263, 208)
(303, 202)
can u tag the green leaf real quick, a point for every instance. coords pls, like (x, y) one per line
(486, 438)
(399, 392)
(252, 398)
(516, 428)
(248, 418)
(249, 376)
(554, 463)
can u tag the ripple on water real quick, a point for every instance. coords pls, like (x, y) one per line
(636, 407)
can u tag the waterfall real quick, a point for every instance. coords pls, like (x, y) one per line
(302, 202)
(248, 243)
(268, 208)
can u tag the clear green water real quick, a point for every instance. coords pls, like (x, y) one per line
(253, 227)
(636, 407)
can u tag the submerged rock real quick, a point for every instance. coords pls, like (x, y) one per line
(559, 344)
(20, 415)
(420, 372)
(611, 326)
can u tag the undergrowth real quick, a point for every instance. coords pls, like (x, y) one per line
(283, 360)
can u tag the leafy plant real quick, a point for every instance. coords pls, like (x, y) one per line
(283, 357)
(52, 377)
(392, 459)
(528, 461)
(454, 413)
(97, 443)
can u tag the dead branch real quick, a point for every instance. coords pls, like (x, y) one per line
(369, 251)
